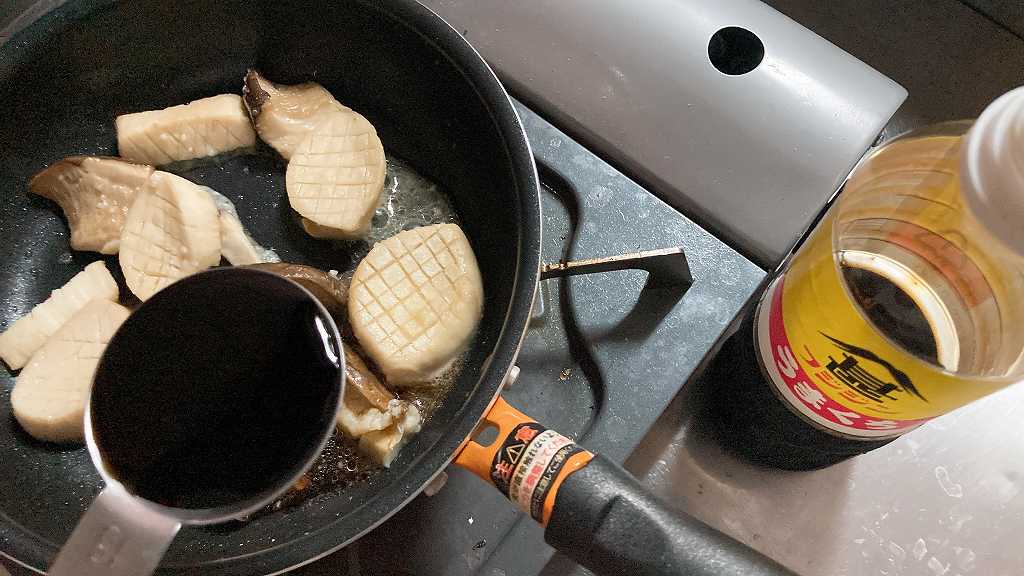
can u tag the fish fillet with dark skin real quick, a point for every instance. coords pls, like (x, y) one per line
(284, 114)
(336, 164)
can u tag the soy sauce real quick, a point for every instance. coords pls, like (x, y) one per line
(893, 312)
(218, 390)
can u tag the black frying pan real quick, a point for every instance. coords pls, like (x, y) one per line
(65, 76)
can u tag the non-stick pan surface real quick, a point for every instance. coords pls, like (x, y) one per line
(435, 104)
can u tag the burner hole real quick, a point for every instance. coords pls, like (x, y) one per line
(485, 434)
(735, 50)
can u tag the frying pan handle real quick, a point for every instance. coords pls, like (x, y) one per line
(118, 536)
(597, 513)
(607, 521)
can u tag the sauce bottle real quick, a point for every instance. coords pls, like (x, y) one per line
(904, 303)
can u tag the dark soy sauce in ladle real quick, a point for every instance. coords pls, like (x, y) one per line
(217, 392)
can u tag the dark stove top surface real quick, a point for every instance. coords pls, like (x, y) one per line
(604, 355)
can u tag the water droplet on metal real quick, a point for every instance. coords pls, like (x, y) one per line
(936, 566)
(951, 488)
(919, 550)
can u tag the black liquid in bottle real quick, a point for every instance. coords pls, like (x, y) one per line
(217, 390)
(893, 312)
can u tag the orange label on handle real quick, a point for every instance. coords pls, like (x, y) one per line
(527, 463)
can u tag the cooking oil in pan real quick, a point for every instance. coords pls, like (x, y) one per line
(408, 201)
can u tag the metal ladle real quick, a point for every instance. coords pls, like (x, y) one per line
(211, 400)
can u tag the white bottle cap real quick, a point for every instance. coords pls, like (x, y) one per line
(992, 169)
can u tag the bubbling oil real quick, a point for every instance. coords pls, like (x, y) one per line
(409, 200)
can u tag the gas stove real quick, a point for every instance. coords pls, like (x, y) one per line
(604, 355)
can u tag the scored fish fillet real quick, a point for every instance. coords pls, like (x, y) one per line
(284, 115)
(95, 194)
(30, 332)
(50, 394)
(336, 175)
(415, 301)
(198, 129)
(172, 231)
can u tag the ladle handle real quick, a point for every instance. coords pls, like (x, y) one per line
(117, 536)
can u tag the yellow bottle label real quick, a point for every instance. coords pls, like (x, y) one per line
(834, 367)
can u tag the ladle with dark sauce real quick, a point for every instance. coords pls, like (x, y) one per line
(210, 401)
